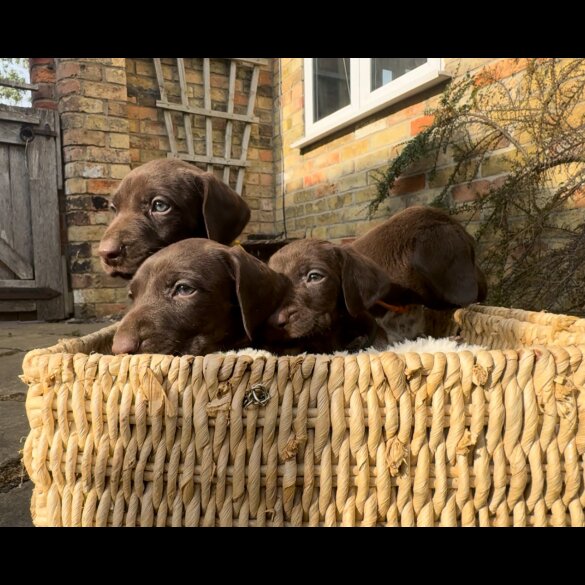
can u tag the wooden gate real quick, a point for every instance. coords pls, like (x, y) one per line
(31, 260)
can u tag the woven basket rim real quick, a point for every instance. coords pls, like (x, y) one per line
(559, 322)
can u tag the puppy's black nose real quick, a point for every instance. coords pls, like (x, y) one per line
(110, 249)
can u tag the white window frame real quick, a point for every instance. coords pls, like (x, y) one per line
(364, 102)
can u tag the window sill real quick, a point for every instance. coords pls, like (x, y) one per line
(431, 79)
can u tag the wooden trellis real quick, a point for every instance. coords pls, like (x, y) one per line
(227, 161)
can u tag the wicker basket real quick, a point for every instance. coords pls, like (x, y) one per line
(495, 438)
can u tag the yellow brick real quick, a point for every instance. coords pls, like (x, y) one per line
(104, 295)
(347, 230)
(564, 173)
(74, 186)
(355, 149)
(318, 232)
(390, 135)
(442, 176)
(460, 66)
(365, 195)
(85, 233)
(352, 182)
(119, 171)
(375, 159)
(119, 141)
(115, 75)
(499, 163)
(370, 128)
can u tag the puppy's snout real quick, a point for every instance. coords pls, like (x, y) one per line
(125, 342)
(281, 318)
(110, 249)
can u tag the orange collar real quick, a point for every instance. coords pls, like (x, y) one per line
(396, 308)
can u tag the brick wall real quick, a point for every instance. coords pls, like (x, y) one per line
(42, 73)
(110, 124)
(96, 155)
(327, 186)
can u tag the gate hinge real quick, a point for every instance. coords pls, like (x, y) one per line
(28, 132)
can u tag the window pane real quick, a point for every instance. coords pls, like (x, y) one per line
(386, 70)
(331, 86)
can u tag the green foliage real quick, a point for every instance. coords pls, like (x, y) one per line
(531, 243)
(12, 69)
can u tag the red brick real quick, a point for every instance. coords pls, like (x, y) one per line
(327, 159)
(420, 124)
(266, 155)
(241, 99)
(43, 75)
(45, 104)
(265, 77)
(578, 198)
(219, 81)
(409, 185)
(266, 180)
(500, 70)
(41, 61)
(102, 186)
(406, 113)
(314, 179)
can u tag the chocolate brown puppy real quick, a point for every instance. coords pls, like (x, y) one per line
(197, 296)
(165, 201)
(326, 307)
(431, 257)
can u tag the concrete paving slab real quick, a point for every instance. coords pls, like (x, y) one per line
(15, 506)
(13, 429)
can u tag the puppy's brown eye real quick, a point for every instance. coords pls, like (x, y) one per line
(183, 290)
(160, 206)
(314, 276)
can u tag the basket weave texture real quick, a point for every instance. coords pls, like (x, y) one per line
(491, 438)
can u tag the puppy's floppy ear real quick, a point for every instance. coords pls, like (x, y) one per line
(362, 280)
(260, 289)
(225, 213)
(445, 260)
